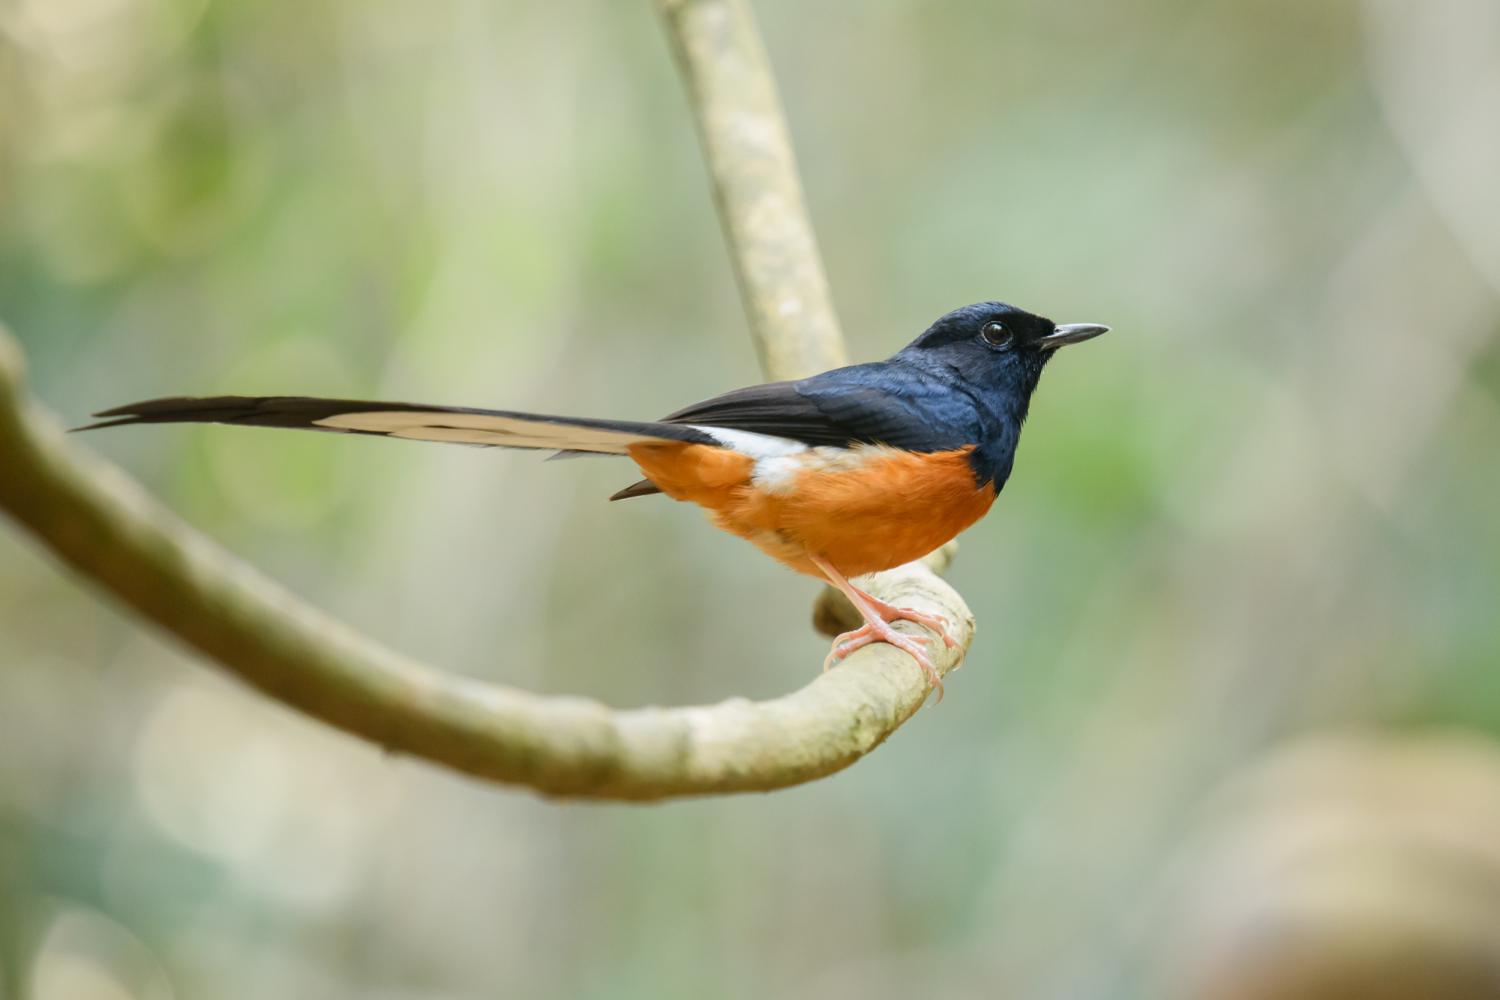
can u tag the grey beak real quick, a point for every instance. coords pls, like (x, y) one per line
(1073, 333)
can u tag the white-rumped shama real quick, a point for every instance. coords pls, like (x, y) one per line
(849, 472)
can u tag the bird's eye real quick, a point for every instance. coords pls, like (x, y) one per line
(995, 334)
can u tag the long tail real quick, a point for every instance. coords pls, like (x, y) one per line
(500, 428)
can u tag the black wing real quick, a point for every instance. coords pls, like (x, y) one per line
(822, 411)
(857, 405)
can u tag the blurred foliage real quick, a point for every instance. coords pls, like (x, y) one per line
(1265, 505)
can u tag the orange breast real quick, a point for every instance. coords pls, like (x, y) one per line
(863, 509)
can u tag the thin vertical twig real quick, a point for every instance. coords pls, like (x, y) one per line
(759, 197)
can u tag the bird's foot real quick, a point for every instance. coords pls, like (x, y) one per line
(891, 613)
(881, 631)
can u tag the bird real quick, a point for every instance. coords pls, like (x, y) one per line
(841, 474)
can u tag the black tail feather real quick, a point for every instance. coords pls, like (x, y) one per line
(257, 411)
(462, 425)
(643, 488)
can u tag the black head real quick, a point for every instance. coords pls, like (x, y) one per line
(997, 349)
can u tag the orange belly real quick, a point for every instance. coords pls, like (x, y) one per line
(862, 510)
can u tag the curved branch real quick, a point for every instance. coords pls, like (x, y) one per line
(103, 524)
(100, 522)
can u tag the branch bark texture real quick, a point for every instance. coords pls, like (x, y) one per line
(102, 524)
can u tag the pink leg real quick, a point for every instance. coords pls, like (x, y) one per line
(878, 615)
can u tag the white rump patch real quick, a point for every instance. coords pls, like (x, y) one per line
(757, 446)
(778, 460)
(484, 428)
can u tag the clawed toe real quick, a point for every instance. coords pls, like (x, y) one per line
(936, 623)
(878, 616)
(913, 645)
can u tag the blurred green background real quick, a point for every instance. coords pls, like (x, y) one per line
(1265, 509)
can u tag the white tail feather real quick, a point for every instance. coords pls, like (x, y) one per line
(486, 429)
